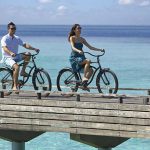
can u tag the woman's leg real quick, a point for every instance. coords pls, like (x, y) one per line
(87, 69)
(89, 73)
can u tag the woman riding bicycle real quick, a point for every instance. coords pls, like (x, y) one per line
(77, 58)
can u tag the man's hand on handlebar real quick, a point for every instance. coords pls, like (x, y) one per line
(12, 54)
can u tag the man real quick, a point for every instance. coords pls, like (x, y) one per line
(10, 56)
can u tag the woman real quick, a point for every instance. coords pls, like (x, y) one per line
(77, 58)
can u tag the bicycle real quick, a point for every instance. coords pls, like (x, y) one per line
(106, 79)
(40, 78)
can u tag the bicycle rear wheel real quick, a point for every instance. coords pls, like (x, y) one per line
(67, 81)
(6, 80)
(107, 82)
(42, 81)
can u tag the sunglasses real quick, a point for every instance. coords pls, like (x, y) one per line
(14, 28)
(79, 28)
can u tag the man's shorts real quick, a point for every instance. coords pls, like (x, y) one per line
(10, 61)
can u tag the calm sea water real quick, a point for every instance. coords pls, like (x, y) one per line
(127, 54)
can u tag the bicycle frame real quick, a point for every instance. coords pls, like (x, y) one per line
(22, 82)
(95, 69)
(31, 68)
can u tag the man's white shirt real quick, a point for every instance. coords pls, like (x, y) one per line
(12, 44)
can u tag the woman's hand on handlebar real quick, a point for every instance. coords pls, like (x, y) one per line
(37, 50)
(102, 50)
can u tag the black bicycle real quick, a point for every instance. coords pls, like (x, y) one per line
(106, 80)
(40, 78)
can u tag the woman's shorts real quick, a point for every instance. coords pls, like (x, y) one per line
(10, 61)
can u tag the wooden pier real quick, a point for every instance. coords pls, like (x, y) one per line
(102, 121)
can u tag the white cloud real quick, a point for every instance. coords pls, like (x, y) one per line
(135, 2)
(61, 10)
(125, 2)
(45, 1)
(145, 3)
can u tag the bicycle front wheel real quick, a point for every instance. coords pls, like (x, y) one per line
(67, 81)
(107, 82)
(6, 80)
(42, 81)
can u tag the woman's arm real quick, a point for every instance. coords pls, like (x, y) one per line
(72, 45)
(91, 47)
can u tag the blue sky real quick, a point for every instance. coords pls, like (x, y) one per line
(99, 12)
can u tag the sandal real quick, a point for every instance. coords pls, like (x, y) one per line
(16, 91)
(84, 83)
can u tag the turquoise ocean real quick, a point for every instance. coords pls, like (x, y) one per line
(127, 54)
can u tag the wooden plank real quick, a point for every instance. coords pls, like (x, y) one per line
(75, 124)
(72, 117)
(35, 102)
(74, 104)
(76, 131)
(34, 115)
(113, 133)
(59, 110)
(21, 127)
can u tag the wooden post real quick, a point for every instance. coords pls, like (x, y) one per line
(78, 97)
(2, 94)
(121, 100)
(148, 92)
(145, 101)
(18, 145)
(110, 91)
(39, 95)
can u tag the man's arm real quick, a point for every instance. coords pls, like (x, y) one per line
(27, 46)
(5, 48)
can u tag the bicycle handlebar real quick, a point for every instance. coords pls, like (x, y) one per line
(32, 55)
(95, 55)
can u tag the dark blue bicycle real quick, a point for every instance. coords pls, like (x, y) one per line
(39, 77)
(106, 79)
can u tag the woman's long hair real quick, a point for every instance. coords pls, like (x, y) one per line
(72, 33)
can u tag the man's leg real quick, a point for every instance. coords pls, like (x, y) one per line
(15, 75)
(26, 59)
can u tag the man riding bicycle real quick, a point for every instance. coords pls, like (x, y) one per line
(10, 56)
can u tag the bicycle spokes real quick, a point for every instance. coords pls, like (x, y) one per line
(6, 81)
(42, 81)
(107, 82)
(105, 79)
(40, 78)
(66, 81)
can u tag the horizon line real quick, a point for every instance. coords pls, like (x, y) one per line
(80, 24)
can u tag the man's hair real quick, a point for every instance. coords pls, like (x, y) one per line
(10, 24)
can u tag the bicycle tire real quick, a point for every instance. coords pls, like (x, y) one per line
(6, 80)
(41, 81)
(67, 85)
(108, 79)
